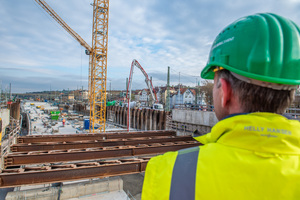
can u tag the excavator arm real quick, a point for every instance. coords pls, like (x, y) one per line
(135, 63)
(148, 81)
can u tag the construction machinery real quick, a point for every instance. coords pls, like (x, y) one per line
(97, 59)
(154, 101)
(148, 81)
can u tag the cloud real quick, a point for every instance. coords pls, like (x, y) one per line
(35, 51)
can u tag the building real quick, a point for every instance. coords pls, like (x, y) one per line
(71, 97)
(144, 97)
(85, 95)
(136, 95)
(186, 96)
(164, 93)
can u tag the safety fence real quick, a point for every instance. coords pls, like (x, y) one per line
(9, 139)
(200, 107)
(294, 112)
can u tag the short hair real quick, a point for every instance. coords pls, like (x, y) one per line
(254, 98)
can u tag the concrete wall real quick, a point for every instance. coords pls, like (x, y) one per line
(205, 118)
(85, 189)
(4, 114)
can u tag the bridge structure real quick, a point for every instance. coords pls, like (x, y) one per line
(50, 159)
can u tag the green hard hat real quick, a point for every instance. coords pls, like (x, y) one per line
(263, 47)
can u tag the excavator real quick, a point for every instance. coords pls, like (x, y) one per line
(154, 101)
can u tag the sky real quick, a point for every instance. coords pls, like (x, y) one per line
(37, 54)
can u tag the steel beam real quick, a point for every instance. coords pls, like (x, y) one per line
(68, 172)
(81, 137)
(26, 147)
(37, 157)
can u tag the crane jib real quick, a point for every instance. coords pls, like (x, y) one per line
(98, 58)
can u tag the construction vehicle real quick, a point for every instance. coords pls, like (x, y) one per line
(154, 101)
(97, 60)
(111, 103)
(157, 106)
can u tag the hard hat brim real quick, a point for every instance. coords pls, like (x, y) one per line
(207, 73)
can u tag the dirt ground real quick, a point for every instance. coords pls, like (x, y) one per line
(134, 184)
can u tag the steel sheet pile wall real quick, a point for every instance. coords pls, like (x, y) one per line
(141, 119)
(15, 109)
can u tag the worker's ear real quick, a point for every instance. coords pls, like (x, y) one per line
(226, 92)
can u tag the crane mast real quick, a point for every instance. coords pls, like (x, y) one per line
(97, 59)
(98, 65)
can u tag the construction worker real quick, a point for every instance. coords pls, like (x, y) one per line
(253, 152)
(63, 121)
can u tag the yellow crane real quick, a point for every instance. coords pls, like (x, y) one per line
(97, 59)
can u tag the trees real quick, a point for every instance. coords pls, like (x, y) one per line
(207, 90)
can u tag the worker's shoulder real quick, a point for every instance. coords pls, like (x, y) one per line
(169, 158)
(189, 150)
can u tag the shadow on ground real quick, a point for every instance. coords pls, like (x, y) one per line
(134, 184)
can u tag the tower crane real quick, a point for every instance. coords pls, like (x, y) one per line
(97, 59)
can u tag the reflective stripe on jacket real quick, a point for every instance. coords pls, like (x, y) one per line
(251, 156)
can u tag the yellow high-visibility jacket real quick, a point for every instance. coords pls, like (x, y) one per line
(247, 156)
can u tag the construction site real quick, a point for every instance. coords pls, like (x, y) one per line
(92, 149)
(50, 152)
(46, 155)
(96, 143)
